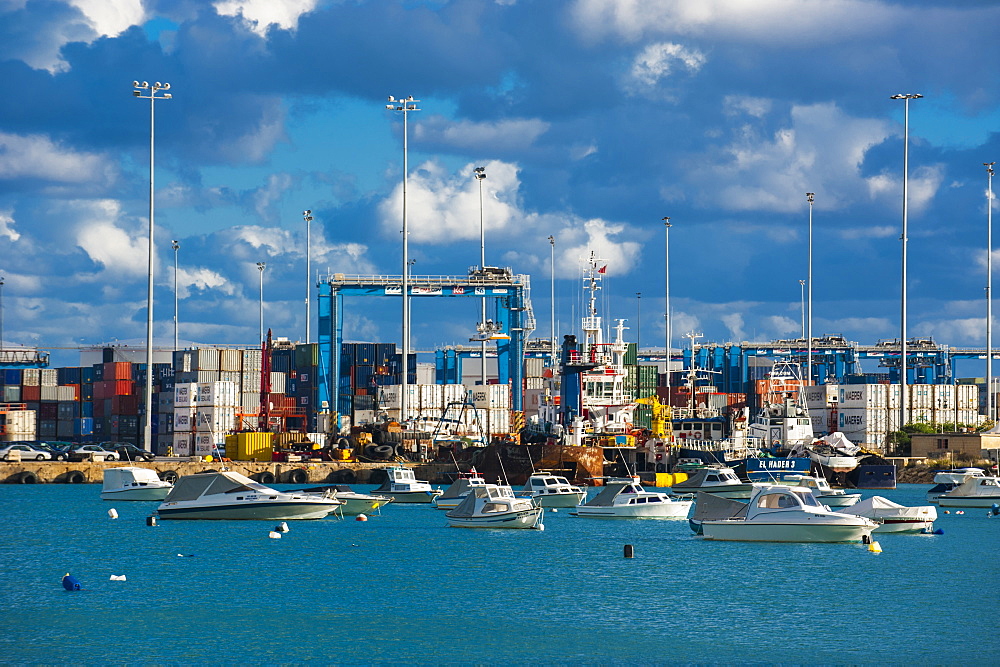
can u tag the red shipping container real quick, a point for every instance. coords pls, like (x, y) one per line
(31, 393)
(120, 388)
(48, 411)
(124, 405)
(99, 410)
(117, 370)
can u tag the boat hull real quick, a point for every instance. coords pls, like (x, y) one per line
(529, 518)
(839, 499)
(968, 501)
(904, 526)
(145, 493)
(736, 530)
(411, 497)
(559, 499)
(355, 506)
(273, 511)
(674, 510)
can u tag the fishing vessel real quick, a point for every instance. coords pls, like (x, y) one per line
(495, 506)
(403, 487)
(133, 483)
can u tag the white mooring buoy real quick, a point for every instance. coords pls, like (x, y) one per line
(113, 513)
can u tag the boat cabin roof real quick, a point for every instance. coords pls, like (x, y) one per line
(114, 477)
(191, 487)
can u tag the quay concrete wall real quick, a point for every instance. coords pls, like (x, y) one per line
(62, 472)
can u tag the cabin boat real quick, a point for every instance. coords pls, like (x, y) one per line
(717, 480)
(495, 506)
(403, 487)
(823, 492)
(778, 513)
(973, 492)
(133, 483)
(230, 495)
(630, 501)
(552, 491)
(946, 480)
(458, 490)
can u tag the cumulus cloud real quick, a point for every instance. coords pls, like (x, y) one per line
(36, 156)
(734, 324)
(658, 61)
(504, 135)
(109, 245)
(922, 184)
(199, 278)
(7, 226)
(260, 15)
(872, 232)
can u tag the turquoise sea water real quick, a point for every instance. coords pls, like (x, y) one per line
(403, 588)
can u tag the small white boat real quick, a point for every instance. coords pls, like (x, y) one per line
(893, 517)
(495, 506)
(230, 495)
(458, 490)
(717, 480)
(630, 501)
(358, 503)
(403, 487)
(778, 513)
(947, 480)
(973, 492)
(822, 491)
(552, 491)
(133, 483)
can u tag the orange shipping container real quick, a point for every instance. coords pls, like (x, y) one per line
(118, 370)
(31, 393)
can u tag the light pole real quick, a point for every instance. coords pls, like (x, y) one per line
(638, 323)
(552, 301)
(260, 267)
(666, 291)
(151, 90)
(176, 246)
(990, 407)
(307, 216)
(1, 315)
(809, 329)
(802, 289)
(902, 319)
(406, 105)
(479, 173)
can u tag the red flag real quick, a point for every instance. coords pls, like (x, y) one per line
(603, 269)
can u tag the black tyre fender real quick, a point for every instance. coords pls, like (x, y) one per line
(347, 476)
(169, 476)
(297, 476)
(265, 477)
(385, 451)
(27, 477)
(344, 443)
(74, 477)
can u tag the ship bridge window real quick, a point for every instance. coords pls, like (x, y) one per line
(711, 478)
(804, 422)
(776, 501)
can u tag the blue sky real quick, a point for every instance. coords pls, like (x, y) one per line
(593, 118)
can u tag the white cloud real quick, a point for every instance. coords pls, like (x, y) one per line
(7, 225)
(922, 184)
(260, 15)
(657, 61)
(821, 150)
(757, 107)
(509, 134)
(189, 279)
(267, 198)
(108, 244)
(36, 156)
(761, 21)
(872, 232)
(110, 18)
(272, 240)
(734, 324)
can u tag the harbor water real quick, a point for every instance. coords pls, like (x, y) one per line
(403, 588)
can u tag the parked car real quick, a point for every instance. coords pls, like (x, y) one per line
(128, 452)
(27, 452)
(84, 451)
(58, 450)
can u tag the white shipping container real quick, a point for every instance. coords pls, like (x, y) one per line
(182, 444)
(251, 361)
(185, 394)
(205, 359)
(250, 401)
(215, 419)
(231, 360)
(49, 377)
(66, 393)
(278, 382)
(533, 367)
(491, 396)
(454, 393)
(31, 377)
(21, 421)
(49, 392)
(12, 393)
(185, 417)
(821, 395)
(217, 393)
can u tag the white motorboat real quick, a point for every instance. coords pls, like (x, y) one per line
(133, 483)
(459, 489)
(973, 492)
(893, 517)
(777, 513)
(717, 480)
(495, 506)
(552, 491)
(358, 503)
(630, 501)
(230, 495)
(403, 487)
(822, 491)
(946, 480)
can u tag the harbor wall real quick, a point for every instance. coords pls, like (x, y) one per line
(60, 472)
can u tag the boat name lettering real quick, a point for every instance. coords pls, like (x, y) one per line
(777, 464)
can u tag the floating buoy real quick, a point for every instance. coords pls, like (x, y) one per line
(118, 577)
(183, 556)
(361, 517)
(960, 512)
(629, 551)
(274, 535)
(947, 511)
(540, 526)
(113, 513)
(875, 548)
(150, 520)
(282, 527)
(70, 583)
(555, 509)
